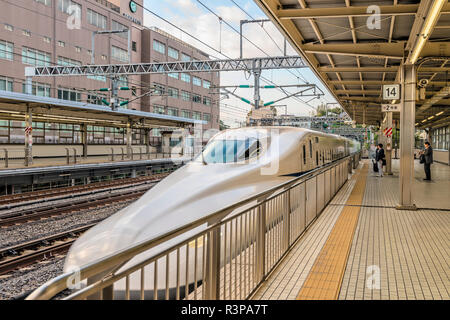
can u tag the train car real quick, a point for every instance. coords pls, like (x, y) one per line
(234, 165)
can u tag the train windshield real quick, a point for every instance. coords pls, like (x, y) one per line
(228, 151)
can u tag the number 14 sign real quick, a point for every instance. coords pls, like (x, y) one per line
(391, 91)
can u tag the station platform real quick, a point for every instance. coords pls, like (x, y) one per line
(61, 161)
(362, 248)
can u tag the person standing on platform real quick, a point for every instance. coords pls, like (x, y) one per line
(379, 157)
(428, 160)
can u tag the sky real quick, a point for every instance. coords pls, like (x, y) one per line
(194, 18)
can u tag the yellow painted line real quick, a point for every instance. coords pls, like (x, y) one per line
(325, 278)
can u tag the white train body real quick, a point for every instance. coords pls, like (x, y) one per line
(235, 165)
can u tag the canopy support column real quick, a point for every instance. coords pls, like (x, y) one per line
(407, 128)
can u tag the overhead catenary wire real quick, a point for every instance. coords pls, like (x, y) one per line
(255, 45)
(129, 80)
(214, 49)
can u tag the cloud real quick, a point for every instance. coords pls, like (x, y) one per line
(188, 6)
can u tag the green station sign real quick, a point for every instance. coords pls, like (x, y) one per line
(133, 6)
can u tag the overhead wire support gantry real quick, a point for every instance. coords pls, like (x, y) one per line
(248, 64)
(254, 65)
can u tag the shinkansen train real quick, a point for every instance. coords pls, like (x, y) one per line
(234, 165)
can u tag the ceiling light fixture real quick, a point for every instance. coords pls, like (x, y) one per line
(430, 21)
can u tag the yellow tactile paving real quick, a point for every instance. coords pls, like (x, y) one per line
(324, 280)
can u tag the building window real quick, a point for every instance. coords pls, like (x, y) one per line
(440, 138)
(38, 89)
(196, 98)
(9, 27)
(61, 44)
(159, 89)
(186, 96)
(196, 115)
(6, 84)
(35, 57)
(68, 94)
(47, 39)
(78, 49)
(68, 62)
(173, 75)
(26, 33)
(206, 84)
(185, 114)
(172, 112)
(185, 57)
(134, 46)
(97, 78)
(207, 101)
(185, 77)
(173, 53)
(65, 6)
(119, 54)
(159, 47)
(96, 19)
(207, 117)
(122, 81)
(104, 57)
(46, 2)
(197, 81)
(6, 50)
(94, 99)
(172, 92)
(118, 26)
(159, 109)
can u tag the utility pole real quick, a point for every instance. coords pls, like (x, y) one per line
(114, 94)
(257, 75)
(94, 33)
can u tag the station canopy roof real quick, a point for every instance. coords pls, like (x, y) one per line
(14, 106)
(354, 56)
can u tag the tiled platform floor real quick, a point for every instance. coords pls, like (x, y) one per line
(410, 249)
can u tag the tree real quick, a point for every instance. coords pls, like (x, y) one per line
(336, 111)
(223, 126)
(321, 111)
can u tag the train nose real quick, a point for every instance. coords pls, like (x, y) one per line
(95, 244)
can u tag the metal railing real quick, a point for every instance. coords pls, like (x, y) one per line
(228, 259)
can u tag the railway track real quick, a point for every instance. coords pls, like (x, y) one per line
(27, 253)
(9, 201)
(38, 213)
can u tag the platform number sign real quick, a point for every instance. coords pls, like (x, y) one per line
(391, 91)
(390, 108)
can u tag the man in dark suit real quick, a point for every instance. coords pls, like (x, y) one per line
(379, 156)
(428, 153)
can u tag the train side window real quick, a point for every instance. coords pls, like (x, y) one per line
(310, 148)
(304, 154)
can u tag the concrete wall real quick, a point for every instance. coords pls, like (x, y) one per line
(441, 156)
